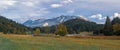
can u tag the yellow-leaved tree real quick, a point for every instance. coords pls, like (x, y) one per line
(61, 30)
(116, 27)
(37, 31)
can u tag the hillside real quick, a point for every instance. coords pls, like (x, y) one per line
(9, 26)
(79, 25)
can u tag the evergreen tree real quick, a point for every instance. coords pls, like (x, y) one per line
(116, 21)
(108, 27)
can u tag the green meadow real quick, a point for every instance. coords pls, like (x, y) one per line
(28, 42)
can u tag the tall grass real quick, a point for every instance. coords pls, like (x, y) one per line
(28, 42)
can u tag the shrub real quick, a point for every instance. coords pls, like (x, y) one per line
(117, 33)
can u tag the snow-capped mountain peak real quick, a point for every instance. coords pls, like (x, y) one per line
(50, 22)
(45, 24)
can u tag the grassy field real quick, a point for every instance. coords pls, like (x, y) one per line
(28, 42)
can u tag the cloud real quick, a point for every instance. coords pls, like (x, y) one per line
(28, 3)
(96, 5)
(101, 19)
(116, 15)
(56, 5)
(61, 4)
(67, 1)
(40, 12)
(19, 9)
(6, 3)
(70, 11)
(98, 16)
(23, 10)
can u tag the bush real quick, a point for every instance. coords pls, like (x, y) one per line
(117, 33)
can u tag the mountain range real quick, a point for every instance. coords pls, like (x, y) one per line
(50, 22)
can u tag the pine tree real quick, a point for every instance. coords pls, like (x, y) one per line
(108, 27)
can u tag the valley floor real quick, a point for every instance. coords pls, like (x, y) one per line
(28, 42)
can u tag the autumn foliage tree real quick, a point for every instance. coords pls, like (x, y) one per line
(61, 30)
(37, 31)
(116, 29)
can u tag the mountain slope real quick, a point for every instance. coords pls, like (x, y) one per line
(9, 26)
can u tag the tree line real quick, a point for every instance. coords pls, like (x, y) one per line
(75, 26)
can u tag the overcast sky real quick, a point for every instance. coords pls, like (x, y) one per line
(94, 10)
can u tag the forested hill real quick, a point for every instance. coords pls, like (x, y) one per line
(80, 25)
(9, 26)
